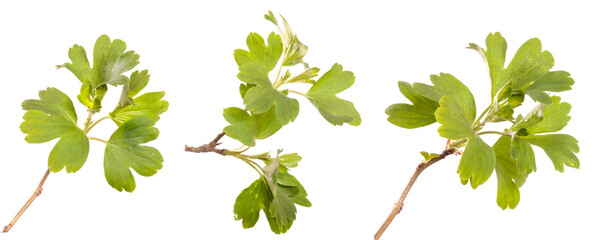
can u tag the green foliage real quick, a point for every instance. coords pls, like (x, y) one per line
(451, 104)
(53, 115)
(268, 107)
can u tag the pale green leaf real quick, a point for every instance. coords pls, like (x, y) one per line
(523, 154)
(509, 179)
(243, 126)
(149, 104)
(528, 64)
(477, 162)
(420, 114)
(124, 152)
(111, 61)
(80, 65)
(555, 117)
(53, 116)
(448, 85)
(250, 202)
(323, 96)
(268, 56)
(560, 148)
(263, 96)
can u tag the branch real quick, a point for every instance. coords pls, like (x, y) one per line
(35, 194)
(400, 204)
(209, 147)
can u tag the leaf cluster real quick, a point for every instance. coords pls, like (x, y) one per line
(451, 104)
(268, 106)
(53, 115)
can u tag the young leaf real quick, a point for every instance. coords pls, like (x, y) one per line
(420, 114)
(478, 160)
(560, 148)
(448, 85)
(552, 81)
(53, 116)
(494, 56)
(137, 82)
(250, 202)
(260, 98)
(80, 66)
(509, 178)
(268, 56)
(323, 96)
(555, 117)
(289, 160)
(243, 126)
(123, 151)
(111, 61)
(522, 153)
(149, 104)
(529, 64)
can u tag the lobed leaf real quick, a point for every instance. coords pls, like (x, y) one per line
(560, 148)
(323, 96)
(124, 152)
(53, 116)
(263, 96)
(149, 104)
(243, 126)
(420, 114)
(259, 53)
(509, 178)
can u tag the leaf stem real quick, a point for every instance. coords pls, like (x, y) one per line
(35, 194)
(483, 114)
(93, 123)
(296, 92)
(400, 204)
(97, 139)
(493, 132)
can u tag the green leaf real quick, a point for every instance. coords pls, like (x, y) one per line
(448, 85)
(282, 212)
(53, 116)
(560, 148)
(243, 126)
(555, 117)
(552, 81)
(80, 65)
(268, 56)
(149, 104)
(250, 202)
(529, 64)
(420, 114)
(271, 17)
(304, 77)
(289, 160)
(454, 122)
(523, 154)
(494, 56)
(535, 116)
(263, 96)
(137, 82)
(111, 61)
(123, 151)
(267, 123)
(509, 179)
(428, 156)
(323, 96)
(478, 160)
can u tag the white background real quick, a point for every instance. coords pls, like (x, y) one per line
(353, 175)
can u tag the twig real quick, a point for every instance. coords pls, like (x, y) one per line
(209, 147)
(37, 192)
(400, 204)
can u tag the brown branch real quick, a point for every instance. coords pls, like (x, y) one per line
(209, 147)
(37, 192)
(400, 204)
